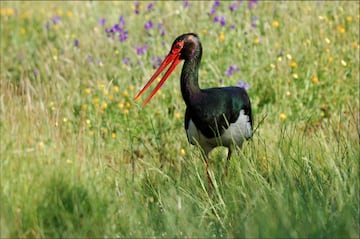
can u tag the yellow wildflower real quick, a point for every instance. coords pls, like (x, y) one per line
(221, 37)
(96, 100)
(7, 11)
(315, 80)
(126, 94)
(104, 105)
(59, 12)
(275, 24)
(177, 115)
(293, 64)
(341, 29)
(116, 88)
(182, 152)
(22, 31)
(41, 145)
(282, 116)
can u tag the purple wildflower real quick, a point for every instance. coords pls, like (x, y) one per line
(252, 4)
(232, 27)
(109, 30)
(122, 21)
(102, 21)
(233, 7)
(214, 6)
(216, 3)
(161, 29)
(126, 61)
(254, 20)
(186, 3)
(141, 50)
(156, 61)
(116, 28)
(36, 73)
(76, 43)
(56, 19)
(150, 6)
(123, 35)
(119, 30)
(148, 25)
(137, 7)
(231, 70)
(220, 20)
(244, 85)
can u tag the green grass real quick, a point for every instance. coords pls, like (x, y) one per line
(80, 158)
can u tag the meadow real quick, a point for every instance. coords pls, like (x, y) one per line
(81, 159)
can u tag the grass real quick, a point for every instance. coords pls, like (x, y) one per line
(80, 158)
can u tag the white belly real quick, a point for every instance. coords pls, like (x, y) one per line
(235, 134)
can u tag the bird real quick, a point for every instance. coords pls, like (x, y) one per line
(219, 116)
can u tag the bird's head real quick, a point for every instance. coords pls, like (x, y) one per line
(185, 48)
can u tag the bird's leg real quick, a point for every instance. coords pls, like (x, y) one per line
(228, 161)
(206, 159)
(207, 173)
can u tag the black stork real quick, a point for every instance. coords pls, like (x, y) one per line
(215, 116)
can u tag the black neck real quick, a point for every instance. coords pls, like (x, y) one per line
(189, 77)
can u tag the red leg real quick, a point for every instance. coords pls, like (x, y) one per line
(207, 173)
(205, 157)
(227, 162)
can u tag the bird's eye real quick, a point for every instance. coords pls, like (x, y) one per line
(177, 47)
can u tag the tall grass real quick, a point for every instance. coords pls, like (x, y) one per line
(80, 158)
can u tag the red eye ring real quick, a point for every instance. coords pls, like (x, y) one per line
(177, 47)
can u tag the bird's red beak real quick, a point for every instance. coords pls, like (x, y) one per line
(173, 57)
